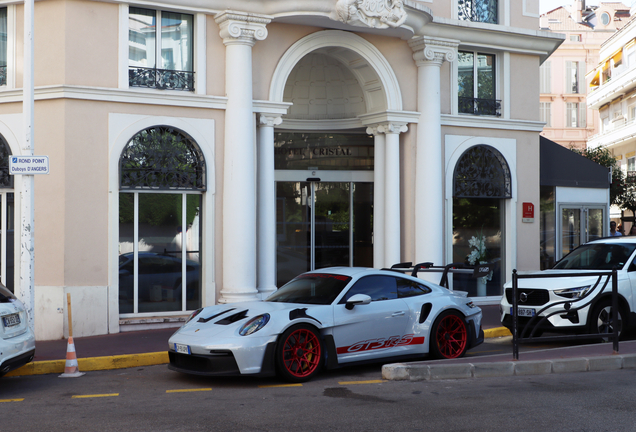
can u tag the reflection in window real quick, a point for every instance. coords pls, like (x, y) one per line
(160, 56)
(547, 235)
(478, 11)
(377, 287)
(160, 234)
(3, 46)
(476, 84)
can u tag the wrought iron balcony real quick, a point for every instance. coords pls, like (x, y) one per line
(161, 79)
(3, 75)
(484, 11)
(486, 107)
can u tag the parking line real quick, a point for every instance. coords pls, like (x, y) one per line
(94, 396)
(280, 385)
(11, 400)
(361, 382)
(188, 390)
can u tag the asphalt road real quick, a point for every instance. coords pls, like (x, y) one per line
(352, 399)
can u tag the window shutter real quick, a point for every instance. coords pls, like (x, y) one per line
(582, 113)
(581, 78)
(568, 77)
(546, 75)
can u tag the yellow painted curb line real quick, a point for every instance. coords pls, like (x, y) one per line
(497, 332)
(93, 363)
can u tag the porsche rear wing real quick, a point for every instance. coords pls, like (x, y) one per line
(478, 270)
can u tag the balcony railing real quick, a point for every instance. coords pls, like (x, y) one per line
(485, 107)
(484, 11)
(161, 79)
(3, 75)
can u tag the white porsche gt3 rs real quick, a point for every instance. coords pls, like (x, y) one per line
(330, 317)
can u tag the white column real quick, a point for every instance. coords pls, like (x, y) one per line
(392, 223)
(239, 32)
(266, 267)
(429, 53)
(378, 196)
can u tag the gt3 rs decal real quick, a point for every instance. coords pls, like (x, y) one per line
(374, 344)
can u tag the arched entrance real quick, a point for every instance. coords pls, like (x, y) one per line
(326, 159)
(481, 184)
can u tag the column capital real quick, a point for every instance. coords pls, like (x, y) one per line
(241, 27)
(270, 120)
(389, 127)
(428, 50)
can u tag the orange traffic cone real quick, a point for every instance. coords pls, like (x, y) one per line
(71, 369)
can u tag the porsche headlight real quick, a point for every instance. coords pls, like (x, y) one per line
(195, 313)
(254, 325)
(573, 293)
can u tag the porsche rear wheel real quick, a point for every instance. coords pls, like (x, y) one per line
(449, 338)
(299, 354)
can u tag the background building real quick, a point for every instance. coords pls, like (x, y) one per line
(563, 106)
(207, 153)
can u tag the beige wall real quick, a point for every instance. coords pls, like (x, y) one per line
(524, 87)
(215, 53)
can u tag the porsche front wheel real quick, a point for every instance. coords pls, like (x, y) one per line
(299, 353)
(449, 338)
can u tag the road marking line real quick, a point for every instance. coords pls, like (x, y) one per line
(361, 382)
(188, 390)
(11, 400)
(94, 396)
(280, 385)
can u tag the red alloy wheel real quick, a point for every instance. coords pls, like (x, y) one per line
(301, 353)
(451, 336)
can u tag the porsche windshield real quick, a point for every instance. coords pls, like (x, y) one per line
(312, 288)
(597, 256)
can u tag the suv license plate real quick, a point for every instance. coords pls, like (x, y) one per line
(183, 349)
(525, 312)
(11, 320)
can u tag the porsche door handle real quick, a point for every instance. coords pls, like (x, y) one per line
(398, 314)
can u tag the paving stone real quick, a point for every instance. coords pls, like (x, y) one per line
(540, 367)
(451, 371)
(493, 369)
(569, 365)
(605, 363)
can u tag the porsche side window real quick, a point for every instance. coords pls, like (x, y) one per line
(407, 288)
(377, 287)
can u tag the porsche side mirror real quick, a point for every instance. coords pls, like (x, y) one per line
(357, 299)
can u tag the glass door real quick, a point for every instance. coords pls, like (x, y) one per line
(322, 224)
(579, 225)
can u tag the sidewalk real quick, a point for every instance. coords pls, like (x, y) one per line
(149, 347)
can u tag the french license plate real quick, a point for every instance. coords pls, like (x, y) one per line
(11, 320)
(181, 348)
(524, 312)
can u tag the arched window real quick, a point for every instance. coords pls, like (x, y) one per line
(7, 217)
(481, 172)
(162, 157)
(162, 178)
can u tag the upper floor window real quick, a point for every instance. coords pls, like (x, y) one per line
(160, 56)
(478, 10)
(574, 73)
(3, 46)
(476, 84)
(575, 115)
(575, 38)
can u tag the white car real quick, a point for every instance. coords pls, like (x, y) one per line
(17, 341)
(330, 317)
(587, 300)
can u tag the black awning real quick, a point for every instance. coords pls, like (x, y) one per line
(562, 167)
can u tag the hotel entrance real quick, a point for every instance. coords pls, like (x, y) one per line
(324, 212)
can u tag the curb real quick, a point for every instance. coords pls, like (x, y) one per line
(93, 363)
(419, 371)
(497, 332)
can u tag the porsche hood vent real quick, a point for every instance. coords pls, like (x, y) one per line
(233, 318)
